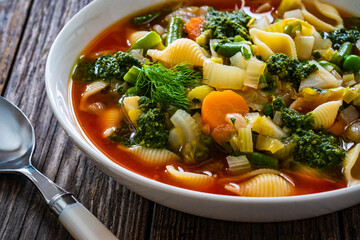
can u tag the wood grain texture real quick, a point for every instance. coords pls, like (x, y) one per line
(28, 31)
(13, 16)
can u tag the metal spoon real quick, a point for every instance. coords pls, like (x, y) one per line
(17, 143)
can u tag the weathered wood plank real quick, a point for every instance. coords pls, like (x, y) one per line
(12, 18)
(23, 213)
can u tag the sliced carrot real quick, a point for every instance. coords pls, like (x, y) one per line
(337, 128)
(193, 27)
(217, 104)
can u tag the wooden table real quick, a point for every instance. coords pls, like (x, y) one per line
(27, 30)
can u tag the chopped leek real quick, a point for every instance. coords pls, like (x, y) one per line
(238, 164)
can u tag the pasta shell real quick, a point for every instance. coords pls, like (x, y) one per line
(326, 113)
(328, 18)
(110, 121)
(153, 156)
(91, 89)
(269, 43)
(194, 180)
(222, 76)
(263, 185)
(179, 51)
(351, 166)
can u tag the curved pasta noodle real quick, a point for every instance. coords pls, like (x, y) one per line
(326, 113)
(179, 51)
(91, 89)
(153, 156)
(189, 179)
(269, 43)
(223, 76)
(263, 185)
(307, 29)
(321, 79)
(351, 166)
(110, 121)
(325, 18)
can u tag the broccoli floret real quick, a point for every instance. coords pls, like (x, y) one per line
(151, 131)
(318, 150)
(289, 69)
(110, 68)
(227, 24)
(113, 66)
(293, 119)
(338, 37)
(122, 134)
(146, 103)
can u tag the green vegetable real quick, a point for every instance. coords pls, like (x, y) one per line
(167, 86)
(330, 66)
(81, 71)
(204, 38)
(132, 91)
(132, 75)
(293, 119)
(344, 50)
(262, 160)
(316, 55)
(229, 49)
(122, 134)
(341, 36)
(146, 103)
(150, 40)
(175, 30)
(289, 69)
(268, 110)
(318, 150)
(292, 30)
(113, 66)
(151, 130)
(227, 25)
(352, 63)
(288, 29)
(145, 19)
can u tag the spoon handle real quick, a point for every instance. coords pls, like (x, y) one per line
(80, 223)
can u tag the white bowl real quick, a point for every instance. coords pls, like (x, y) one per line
(73, 38)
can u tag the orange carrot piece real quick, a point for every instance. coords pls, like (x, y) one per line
(337, 128)
(193, 27)
(217, 104)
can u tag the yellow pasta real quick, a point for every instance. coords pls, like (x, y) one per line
(179, 51)
(222, 76)
(269, 43)
(287, 5)
(188, 178)
(91, 89)
(153, 156)
(326, 113)
(263, 185)
(351, 166)
(110, 121)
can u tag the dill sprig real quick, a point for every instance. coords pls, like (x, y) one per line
(167, 86)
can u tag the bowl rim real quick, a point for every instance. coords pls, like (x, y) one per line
(95, 154)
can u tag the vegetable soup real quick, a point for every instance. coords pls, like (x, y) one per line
(254, 98)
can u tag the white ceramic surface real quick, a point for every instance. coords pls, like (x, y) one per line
(78, 32)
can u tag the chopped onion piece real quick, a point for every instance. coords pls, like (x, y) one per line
(349, 114)
(238, 164)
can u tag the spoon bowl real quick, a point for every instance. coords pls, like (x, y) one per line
(17, 138)
(17, 143)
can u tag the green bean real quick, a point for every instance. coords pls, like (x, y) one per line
(344, 50)
(352, 63)
(231, 48)
(132, 74)
(150, 40)
(142, 20)
(175, 30)
(262, 160)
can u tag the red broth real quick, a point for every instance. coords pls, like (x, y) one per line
(114, 39)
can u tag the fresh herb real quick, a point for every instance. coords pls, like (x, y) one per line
(167, 86)
(233, 120)
(338, 37)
